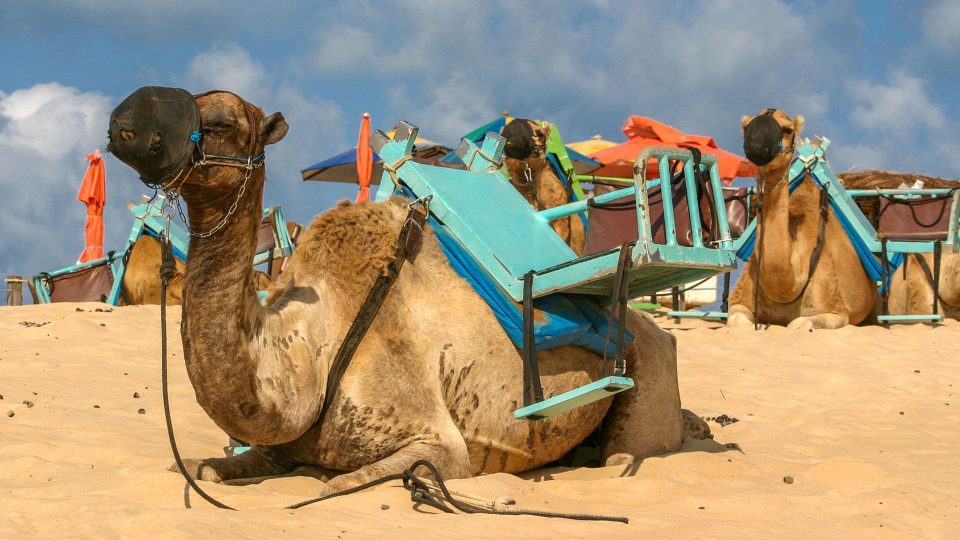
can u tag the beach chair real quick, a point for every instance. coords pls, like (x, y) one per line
(927, 217)
(101, 280)
(479, 211)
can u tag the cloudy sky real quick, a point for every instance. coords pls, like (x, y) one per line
(879, 78)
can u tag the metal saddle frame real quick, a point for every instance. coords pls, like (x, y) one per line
(149, 219)
(518, 249)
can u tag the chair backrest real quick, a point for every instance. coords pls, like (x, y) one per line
(86, 284)
(926, 218)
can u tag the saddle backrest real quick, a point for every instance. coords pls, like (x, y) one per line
(89, 284)
(611, 224)
(737, 201)
(926, 218)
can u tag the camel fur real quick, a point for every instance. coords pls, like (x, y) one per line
(435, 378)
(839, 293)
(536, 180)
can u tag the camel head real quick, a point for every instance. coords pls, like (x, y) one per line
(525, 151)
(769, 138)
(192, 144)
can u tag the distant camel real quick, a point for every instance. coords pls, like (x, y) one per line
(525, 156)
(792, 291)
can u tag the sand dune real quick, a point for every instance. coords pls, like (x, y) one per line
(862, 423)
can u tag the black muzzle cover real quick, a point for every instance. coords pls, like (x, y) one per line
(519, 139)
(165, 127)
(762, 139)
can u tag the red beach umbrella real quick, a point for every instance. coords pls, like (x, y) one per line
(364, 159)
(643, 132)
(93, 193)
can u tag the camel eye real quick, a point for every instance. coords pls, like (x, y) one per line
(788, 129)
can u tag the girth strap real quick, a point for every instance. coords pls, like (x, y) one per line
(407, 244)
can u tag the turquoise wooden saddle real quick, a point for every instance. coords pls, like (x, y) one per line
(517, 247)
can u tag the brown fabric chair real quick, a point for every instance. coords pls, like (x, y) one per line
(926, 218)
(611, 224)
(91, 284)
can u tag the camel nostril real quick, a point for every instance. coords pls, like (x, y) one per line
(128, 134)
(156, 144)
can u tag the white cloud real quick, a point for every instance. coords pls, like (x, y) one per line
(941, 26)
(897, 108)
(228, 68)
(52, 120)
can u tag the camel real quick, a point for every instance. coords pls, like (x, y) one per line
(531, 174)
(420, 385)
(839, 291)
(912, 294)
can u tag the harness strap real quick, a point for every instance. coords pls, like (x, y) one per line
(407, 244)
(532, 387)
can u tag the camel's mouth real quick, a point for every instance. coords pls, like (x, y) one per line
(762, 139)
(155, 131)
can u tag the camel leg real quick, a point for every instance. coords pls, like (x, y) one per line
(739, 315)
(257, 462)
(645, 420)
(826, 321)
(448, 453)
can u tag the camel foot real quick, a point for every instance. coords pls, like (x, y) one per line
(737, 316)
(823, 321)
(801, 323)
(695, 427)
(253, 463)
(200, 469)
(621, 458)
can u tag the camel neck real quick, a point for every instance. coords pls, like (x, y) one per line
(220, 307)
(783, 270)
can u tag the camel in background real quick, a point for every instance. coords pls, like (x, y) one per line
(796, 289)
(525, 157)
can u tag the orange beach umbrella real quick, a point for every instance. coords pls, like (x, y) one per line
(643, 132)
(93, 193)
(364, 159)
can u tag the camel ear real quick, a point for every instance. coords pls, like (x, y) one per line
(744, 120)
(273, 128)
(797, 125)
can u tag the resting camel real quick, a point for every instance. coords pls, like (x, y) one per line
(913, 294)
(434, 378)
(525, 156)
(839, 291)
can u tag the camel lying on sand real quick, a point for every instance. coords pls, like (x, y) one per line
(421, 384)
(838, 290)
(913, 294)
(525, 156)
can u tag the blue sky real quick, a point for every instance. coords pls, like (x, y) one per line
(879, 78)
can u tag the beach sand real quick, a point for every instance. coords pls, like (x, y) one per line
(841, 433)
